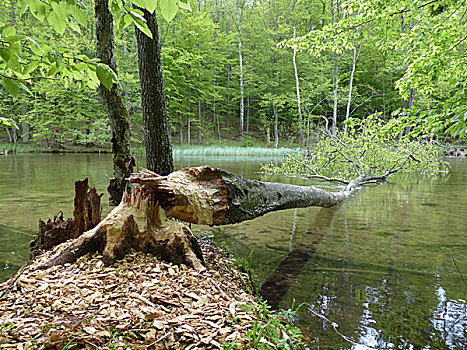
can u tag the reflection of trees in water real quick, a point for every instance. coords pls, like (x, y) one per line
(276, 287)
(450, 319)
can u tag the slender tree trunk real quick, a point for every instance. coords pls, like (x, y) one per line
(356, 53)
(199, 121)
(10, 139)
(247, 114)
(123, 161)
(297, 84)
(335, 76)
(156, 134)
(199, 82)
(188, 135)
(276, 126)
(229, 75)
(240, 57)
(25, 130)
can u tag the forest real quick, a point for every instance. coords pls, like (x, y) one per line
(314, 242)
(243, 70)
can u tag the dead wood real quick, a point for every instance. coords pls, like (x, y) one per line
(86, 215)
(210, 196)
(199, 195)
(136, 224)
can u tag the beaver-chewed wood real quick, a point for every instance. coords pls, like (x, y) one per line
(209, 196)
(86, 215)
(199, 195)
(137, 223)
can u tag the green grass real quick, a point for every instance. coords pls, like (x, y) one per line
(228, 151)
(18, 148)
(234, 150)
(32, 148)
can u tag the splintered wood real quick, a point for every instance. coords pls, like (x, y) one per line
(139, 302)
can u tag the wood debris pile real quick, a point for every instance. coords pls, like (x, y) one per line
(139, 302)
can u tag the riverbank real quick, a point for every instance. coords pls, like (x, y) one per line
(218, 150)
(140, 303)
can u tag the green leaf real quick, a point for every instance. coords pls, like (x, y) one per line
(8, 31)
(5, 54)
(115, 7)
(41, 12)
(26, 88)
(168, 8)
(35, 47)
(74, 26)
(105, 76)
(53, 70)
(14, 63)
(57, 17)
(141, 24)
(77, 14)
(14, 38)
(31, 66)
(12, 86)
(8, 122)
(149, 5)
(184, 6)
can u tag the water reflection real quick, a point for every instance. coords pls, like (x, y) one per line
(387, 266)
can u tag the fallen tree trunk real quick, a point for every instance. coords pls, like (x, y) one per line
(201, 195)
(208, 196)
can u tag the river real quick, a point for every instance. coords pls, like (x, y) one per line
(385, 270)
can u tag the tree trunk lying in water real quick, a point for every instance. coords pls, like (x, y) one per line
(201, 195)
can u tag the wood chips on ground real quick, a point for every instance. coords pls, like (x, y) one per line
(140, 302)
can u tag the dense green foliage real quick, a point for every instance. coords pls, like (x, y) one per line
(403, 60)
(366, 149)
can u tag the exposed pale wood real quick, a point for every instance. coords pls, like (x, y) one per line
(200, 195)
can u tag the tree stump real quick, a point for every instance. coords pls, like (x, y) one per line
(201, 195)
(86, 215)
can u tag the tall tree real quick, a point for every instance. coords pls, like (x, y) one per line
(240, 60)
(123, 161)
(156, 134)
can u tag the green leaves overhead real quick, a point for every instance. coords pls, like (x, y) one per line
(106, 75)
(21, 57)
(149, 5)
(168, 8)
(12, 86)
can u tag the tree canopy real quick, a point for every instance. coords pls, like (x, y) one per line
(403, 61)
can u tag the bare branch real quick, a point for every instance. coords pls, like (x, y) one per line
(316, 175)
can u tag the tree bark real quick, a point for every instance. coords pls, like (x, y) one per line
(86, 215)
(123, 161)
(201, 195)
(356, 54)
(276, 125)
(240, 57)
(211, 196)
(297, 85)
(156, 135)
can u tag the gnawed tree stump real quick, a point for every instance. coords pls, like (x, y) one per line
(138, 223)
(86, 215)
(199, 195)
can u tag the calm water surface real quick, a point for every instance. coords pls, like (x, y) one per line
(385, 270)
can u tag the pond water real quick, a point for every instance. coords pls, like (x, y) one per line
(385, 270)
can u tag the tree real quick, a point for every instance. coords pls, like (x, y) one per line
(435, 71)
(117, 113)
(156, 135)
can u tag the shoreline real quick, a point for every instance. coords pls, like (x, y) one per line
(138, 302)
